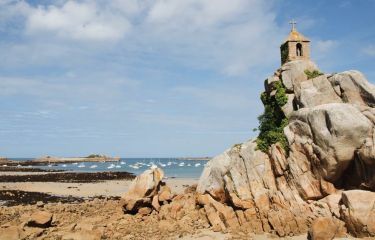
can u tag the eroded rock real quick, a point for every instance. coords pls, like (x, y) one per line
(142, 190)
(326, 228)
(10, 233)
(41, 219)
(358, 212)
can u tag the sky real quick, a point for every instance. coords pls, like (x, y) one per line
(157, 78)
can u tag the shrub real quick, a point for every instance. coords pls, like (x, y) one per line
(281, 97)
(312, 74)
(94, 156)
(273, 120)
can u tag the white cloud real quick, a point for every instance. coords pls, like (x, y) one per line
(10, 12)
(62, 89)
(369, 50)
(324, 46)
(196, 12)
(320, 49)
(84, 21)
(223, 97)
(231, 38)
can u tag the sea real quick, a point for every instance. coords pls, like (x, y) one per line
(173, 167)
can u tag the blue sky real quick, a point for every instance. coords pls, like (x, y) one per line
(157, 78)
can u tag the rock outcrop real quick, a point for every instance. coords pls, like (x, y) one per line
(358, 211)
(306, 186)
(41, 219)
(326, 228)
(146, 192)
(331, 148)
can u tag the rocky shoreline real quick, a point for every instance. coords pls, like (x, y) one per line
(27, 169)
(310, 172)
(94, 219)
(15, 197)
(68, 177)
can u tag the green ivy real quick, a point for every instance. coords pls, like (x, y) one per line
(312, 74)
(273, 120)
(280, 96)
(284, 53)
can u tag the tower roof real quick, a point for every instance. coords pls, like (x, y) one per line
(295, 36)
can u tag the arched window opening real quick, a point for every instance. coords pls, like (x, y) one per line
(299, 49)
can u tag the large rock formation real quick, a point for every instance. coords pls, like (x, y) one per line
(286, 190)
(331, 148)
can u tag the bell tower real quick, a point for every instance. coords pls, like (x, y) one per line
(295, 47)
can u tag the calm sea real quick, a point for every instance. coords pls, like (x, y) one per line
(172, 167)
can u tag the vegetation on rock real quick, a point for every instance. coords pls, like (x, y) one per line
(312, 74)
(273, 120)
(284, 52)
(95, 156)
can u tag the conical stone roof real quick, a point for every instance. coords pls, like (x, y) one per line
(295, 36)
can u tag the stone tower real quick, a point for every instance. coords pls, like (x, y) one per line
(295, 47)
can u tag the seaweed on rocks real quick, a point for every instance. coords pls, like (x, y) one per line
(70, 177)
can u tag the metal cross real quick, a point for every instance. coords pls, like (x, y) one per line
(293, 23)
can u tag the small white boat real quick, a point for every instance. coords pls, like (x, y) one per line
(81, 165)
(197, 164)
(50, 165)
(111, 166)
(153, 166)
(123, 163)
(189, 165)
(75, 163)
(181, 164)
(64, 165)
(169, 163)
(134, 166)
(93, 166)
(118, 166)
(162, 165)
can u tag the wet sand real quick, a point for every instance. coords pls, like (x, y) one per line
(16, 197)
(81, 177)
(17, 186)
(25, 169)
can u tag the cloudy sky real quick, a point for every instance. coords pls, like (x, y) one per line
(156, 78)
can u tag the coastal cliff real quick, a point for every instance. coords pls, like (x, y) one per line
(322, 165)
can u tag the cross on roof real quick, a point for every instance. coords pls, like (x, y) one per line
(293, 23)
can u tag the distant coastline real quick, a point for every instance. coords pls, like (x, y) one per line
(91, 158)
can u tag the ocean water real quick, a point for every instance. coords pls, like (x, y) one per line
(172, 167)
